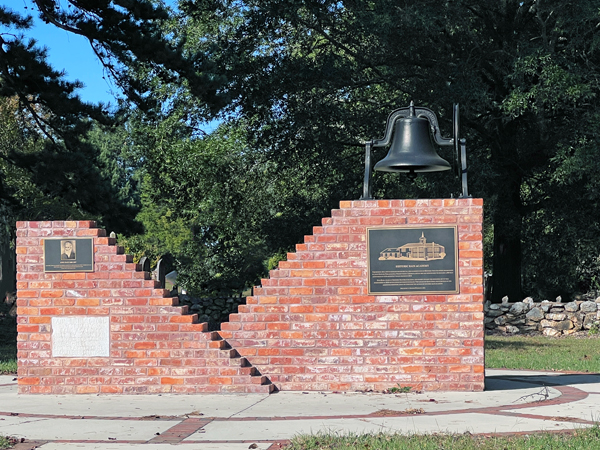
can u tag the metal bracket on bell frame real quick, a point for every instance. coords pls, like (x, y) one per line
(458, 143)
(460, 148)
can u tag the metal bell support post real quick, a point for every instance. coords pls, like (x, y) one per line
(412, 148)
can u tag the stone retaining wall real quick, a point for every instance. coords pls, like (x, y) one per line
(546, 317)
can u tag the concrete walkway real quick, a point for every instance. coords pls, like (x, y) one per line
(514, 402)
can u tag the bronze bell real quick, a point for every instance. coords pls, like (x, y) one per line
(412, 148)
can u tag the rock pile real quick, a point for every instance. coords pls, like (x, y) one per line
(213, 310)
(546, 317)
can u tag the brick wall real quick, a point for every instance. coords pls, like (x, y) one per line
(154, 345)
(310, 326)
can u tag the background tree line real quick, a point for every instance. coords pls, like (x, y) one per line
(296, 86)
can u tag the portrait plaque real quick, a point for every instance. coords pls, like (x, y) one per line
(412, 260)
(69, 255)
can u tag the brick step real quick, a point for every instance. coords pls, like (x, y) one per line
(152, 284)
(162, 292)
(249, 380)
(250, 371)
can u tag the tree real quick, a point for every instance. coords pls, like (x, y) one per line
(218, 206)
(314, 76)
(128, 36)
(65, 173)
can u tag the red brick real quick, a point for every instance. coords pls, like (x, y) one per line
(316, 317)
(50, 311)
(220, 380)
(74, 276)
(184, 319)
(39, 319)
(41, 302)
(170, 380)
(28, 293)
(349, 290)
(110, 389)
(87, 302)
(144, 345)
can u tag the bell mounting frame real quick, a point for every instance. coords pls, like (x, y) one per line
(456, 141)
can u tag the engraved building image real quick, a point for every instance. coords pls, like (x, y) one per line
(415, 251)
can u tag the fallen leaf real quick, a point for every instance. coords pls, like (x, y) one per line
(563, 419)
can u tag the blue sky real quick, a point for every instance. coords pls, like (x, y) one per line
(69, 52)
(74, 55)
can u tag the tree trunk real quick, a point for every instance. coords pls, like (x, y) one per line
(506, 280)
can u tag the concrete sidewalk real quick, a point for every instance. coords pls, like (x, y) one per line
(514, 401)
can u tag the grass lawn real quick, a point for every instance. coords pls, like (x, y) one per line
(8, 359)
(543, 353)
(6, 442)
(8, 342)
(581, 439)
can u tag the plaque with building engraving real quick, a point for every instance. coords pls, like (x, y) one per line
(412, 260)
(69, 255)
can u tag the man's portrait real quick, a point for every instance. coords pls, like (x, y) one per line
(67, 250)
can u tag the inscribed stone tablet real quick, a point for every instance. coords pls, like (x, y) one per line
(78, 337)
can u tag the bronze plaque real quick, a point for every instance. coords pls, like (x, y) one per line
(69, 255)
(413, 260)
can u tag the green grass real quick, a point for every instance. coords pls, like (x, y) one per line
(8, 341)
(580, 439)
(543, 353)
(6, 442)
(8, 359)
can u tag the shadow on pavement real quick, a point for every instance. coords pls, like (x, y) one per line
(516, 381)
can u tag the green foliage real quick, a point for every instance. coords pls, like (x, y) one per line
(218, 206)
(399, 389)
(7, 442)
(164, 233)
(313, 78)
(43, 180)
(8, 339)
(8, 359)
(49, 168)
(273, 261)
(300, 83)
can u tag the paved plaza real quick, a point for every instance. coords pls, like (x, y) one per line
(513, 402)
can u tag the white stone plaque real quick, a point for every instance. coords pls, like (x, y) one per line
(78, 337)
